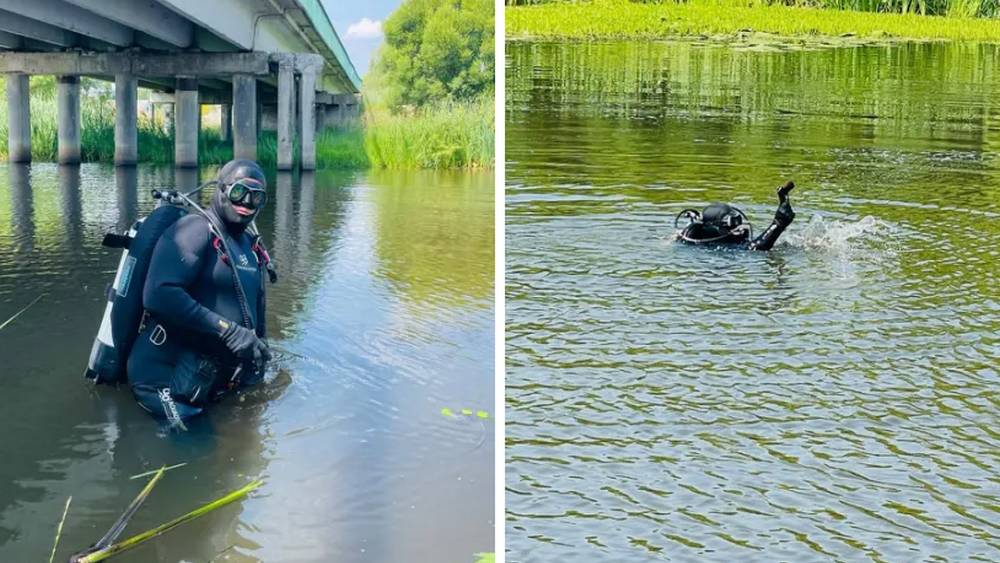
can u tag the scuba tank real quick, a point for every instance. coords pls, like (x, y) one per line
(123, 311)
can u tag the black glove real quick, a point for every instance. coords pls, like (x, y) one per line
(784, 215)
(244, 344)
(784, 190)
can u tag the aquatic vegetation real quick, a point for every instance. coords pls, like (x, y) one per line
(55, 544)
(466, 412)
(22, 310)
(952, 8)
(619, 19)
(155, 471)
(106, 551)
(447, 135)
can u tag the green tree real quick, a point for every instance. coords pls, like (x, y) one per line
(436, 50)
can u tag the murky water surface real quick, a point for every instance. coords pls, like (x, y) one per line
(832, 399)
(382, 317)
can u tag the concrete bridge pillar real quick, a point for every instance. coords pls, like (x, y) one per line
(244, 116)
(168, 118)
(126, 111)
(187, 116)
(18, 118)
(225, 121)
(286, 109)
(68, 119)
(307, 128)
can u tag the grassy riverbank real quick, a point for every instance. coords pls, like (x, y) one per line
(622, 19)
(452, 135)
(455, 135)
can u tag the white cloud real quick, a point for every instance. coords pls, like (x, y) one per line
(365, 29)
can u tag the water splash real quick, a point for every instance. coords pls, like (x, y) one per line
(867, 233)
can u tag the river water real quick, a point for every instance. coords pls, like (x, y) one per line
(382, 317)
(832, 399)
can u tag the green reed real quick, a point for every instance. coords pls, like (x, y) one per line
(952, 8)
(451, 135)
(620, 19)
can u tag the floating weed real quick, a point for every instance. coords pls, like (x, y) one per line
(708, 19)
(55, 544)
(168, 468)
(465, 412)
(18, 314)
(137, 539)
(486, 557)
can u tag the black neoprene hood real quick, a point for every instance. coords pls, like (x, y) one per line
(231, 172)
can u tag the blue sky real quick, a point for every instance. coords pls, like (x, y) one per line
(359, 26)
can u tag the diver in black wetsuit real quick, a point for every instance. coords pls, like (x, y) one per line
(723, 224)
(198, 340)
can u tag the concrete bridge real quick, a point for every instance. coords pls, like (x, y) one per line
(253, 57)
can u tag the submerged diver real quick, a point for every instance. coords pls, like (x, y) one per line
(724, 224)
(203, 331)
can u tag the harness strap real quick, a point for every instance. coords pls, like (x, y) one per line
(736, 230)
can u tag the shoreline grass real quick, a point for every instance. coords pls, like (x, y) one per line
(621, 19)
(454, 135)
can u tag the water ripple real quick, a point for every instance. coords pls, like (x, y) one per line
(830, 399)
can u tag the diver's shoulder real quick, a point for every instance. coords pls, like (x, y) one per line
(192, 221)
(191, 228)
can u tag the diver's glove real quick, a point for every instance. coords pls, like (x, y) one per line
(784, 190)
(244, 344)
(784, 215)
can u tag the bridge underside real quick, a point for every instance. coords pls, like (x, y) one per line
(280, 59)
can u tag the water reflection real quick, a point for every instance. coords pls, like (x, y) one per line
(186, 179)
(22, 208)
(822, 400)
(127, 203)
(417, 252)
(71, 205)
(307, 190)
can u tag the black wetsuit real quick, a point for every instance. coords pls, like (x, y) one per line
(178, 362)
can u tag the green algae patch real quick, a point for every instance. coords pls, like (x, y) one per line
(618, 19)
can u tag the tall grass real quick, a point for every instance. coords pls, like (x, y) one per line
(450, 135)
(611, 19)
(951, 8)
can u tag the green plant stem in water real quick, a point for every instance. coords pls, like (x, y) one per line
(55, 544)
(167, 468)
(137, 539)
(18, 314)
(619, 19)
(119, 525)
